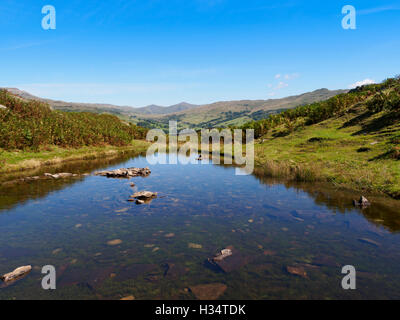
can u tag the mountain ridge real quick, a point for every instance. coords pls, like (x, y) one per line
(220, 113)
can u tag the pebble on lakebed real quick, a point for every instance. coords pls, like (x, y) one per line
(114, 242)
(210, 291)
(194, 245)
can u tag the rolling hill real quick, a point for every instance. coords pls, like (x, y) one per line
(218, 114)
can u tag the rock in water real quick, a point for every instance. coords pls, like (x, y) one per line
(363, 202)
(143, 195)
(59, 175)
(297, 271)
(16, 274)
(210, 291)
(125, 173)
(228, 260)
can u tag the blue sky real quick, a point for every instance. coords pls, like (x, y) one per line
(163, 52)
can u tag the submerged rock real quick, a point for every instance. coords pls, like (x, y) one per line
(114, 242)
(16, 274)
(297, 271)
(363, 202)
(227, 260)
(210, 291)
(125, 173)
(195, 245)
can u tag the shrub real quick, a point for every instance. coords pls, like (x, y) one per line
(32, 124)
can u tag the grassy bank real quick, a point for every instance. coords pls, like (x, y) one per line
(355, 148)
(13, 161)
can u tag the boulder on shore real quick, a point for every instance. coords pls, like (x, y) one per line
(16, 274)
(125, 173)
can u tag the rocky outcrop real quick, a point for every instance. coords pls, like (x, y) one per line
(125, 173)
(16, 274)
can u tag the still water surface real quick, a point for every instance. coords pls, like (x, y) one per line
(201, 209)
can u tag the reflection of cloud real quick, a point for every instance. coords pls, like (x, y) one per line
(361, 83)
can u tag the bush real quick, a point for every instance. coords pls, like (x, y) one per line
(32, 124)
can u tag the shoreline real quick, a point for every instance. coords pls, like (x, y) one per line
(22, 161)
(282, 169)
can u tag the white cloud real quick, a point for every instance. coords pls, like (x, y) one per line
(291, 76)
(361, 83)
(281, 85)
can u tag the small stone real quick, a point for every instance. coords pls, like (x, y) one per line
(155, 249)
(114, 242)
(56, 251)
(209, 291)
(195, 246)
(297, 271)
(170, 235)
(78, 225)
(128, 298)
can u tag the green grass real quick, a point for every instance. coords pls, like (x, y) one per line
(12, 161)
(336, 157)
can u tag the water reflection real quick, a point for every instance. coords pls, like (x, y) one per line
(105, 247)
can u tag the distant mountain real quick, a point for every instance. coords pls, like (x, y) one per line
(154, 109)
(101, 108)
(218, 114)
(225, 113)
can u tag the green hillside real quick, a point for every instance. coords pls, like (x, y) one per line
(33, 125)
(350, 140)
